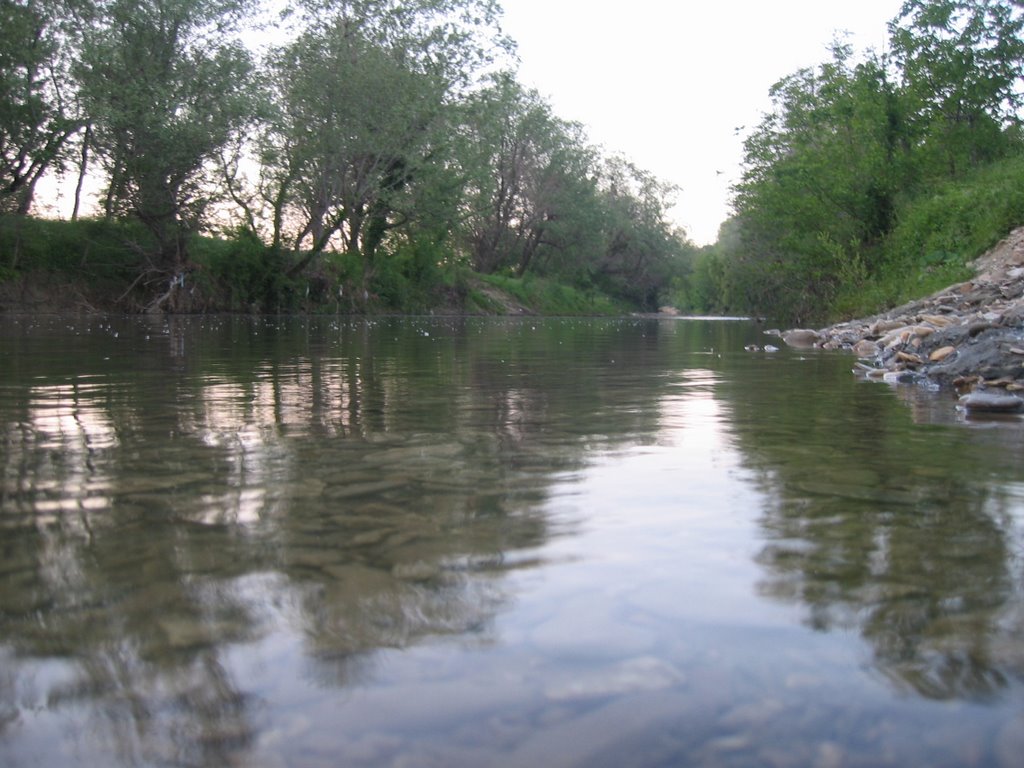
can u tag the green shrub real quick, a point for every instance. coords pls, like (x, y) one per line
(937, 235)
(241, 274)
(89, 248)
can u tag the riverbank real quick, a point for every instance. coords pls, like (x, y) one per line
(969, 336)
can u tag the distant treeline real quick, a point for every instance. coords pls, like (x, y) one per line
(875, 178)
(374, 151)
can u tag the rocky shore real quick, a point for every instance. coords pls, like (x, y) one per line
(968, 336)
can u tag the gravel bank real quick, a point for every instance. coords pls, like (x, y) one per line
(969, 336)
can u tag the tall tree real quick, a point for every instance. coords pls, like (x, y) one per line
(37, 111)
(529, 178)
(641, 248)
(962, 63)
(353, 125)
(359, 123)
(165, 83)
(821, 174)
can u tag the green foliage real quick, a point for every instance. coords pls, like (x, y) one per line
(547, 297)
(241, 274)
(939, 233)
(834, 203)
(165, 86)
(961, 62)
(87, 248)
(368, 151)
(544, 204)
(36, 117)
(961, 219)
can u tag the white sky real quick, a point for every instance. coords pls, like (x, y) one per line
(667, 83)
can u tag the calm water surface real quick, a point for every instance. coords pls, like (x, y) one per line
(470, 542)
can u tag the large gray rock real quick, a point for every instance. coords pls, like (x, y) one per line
(992, 402)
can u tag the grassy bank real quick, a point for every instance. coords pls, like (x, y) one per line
(100, 265)
(936, 237)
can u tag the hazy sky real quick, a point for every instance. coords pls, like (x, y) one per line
(668, 83)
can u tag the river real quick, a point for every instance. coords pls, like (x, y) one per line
(495, 542)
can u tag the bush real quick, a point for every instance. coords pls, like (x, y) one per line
(241, 274)
(87, 248)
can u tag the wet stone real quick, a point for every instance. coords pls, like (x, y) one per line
(991, 402)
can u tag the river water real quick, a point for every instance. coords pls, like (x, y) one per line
(495, 542)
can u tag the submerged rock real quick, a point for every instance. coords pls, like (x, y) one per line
(801, 338)
(991, 402)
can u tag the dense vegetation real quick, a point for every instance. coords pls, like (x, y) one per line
(874, 180)
(380, 154)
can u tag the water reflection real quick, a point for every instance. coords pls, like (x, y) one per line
(894, 532)
(166, 482)
(219, 534)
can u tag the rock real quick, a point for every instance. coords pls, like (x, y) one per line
(865, 348)
(880, 327)
(991, 402)
(940, 321)
(896, 336)
(801, 338)
(970, 332)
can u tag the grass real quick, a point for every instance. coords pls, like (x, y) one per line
(937, 236)
(547, 297)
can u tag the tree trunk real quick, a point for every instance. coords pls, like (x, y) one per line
(82, 167)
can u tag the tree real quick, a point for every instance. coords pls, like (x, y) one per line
(165, 83)
(962, 63)
(37, 117)
(352, 128)
(821, 175)
(641, 249)
(530, 179)
(358, 129)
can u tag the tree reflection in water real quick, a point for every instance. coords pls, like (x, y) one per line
(172, 493)
(897, 533)
(191, 503)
